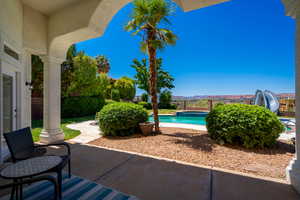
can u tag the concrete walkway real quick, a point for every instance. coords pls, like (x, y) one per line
(91, 132)
(151, 178)
(88, 131)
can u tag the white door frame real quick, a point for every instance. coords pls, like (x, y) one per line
(12, 73)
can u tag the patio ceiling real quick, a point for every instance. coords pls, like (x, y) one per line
(48, 7)
(188, 5)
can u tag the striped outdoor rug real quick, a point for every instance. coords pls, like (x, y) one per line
(73, 188)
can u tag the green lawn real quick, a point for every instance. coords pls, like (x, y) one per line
(37, 126)
(163, 111)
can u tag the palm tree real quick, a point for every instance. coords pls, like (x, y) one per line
(146, 18)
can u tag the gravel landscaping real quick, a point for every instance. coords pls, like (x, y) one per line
(196, 147)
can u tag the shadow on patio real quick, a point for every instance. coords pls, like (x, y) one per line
(150, 178)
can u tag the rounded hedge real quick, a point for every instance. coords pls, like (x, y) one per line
(121, 119)
(81, 106)
(248, 125)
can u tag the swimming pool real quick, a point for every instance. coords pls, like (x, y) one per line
(184, 118)
(197, 118)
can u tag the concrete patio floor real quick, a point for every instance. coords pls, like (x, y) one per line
(149, 178)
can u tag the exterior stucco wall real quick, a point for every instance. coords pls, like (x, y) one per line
(11, 21)
(11, 35)
(35, 31)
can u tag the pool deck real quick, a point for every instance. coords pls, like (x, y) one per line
(187, 126)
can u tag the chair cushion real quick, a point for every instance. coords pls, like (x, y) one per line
(19, 142)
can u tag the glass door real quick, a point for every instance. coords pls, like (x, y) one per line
(9, 103)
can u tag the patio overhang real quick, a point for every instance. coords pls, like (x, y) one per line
(50, 7)
(58, 24)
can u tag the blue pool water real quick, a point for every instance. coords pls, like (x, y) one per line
(184, 118)
(197, 118)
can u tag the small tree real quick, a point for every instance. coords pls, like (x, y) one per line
(126, 88)
(165, 99)
(85, 80)
(142, 76)
(104, 85)
(67, 70)
(102, 64)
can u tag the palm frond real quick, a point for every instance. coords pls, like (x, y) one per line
(146, 17)
(144, 46)
(167, 36)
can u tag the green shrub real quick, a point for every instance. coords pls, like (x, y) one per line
(81, 106)
(145, 97)
(121, 119)
(126, 87)
(109, 101)
(115, 95)
(146, 105)
(248, 125)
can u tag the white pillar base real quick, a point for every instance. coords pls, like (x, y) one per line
(51, 136)
(293, 174)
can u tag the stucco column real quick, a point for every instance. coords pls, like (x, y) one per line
(51, 128)
(293, 170)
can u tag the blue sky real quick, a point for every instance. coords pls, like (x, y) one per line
(231, 48)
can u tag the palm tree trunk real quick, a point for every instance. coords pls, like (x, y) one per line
(153, 84)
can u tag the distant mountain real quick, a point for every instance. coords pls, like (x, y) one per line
(244, 96)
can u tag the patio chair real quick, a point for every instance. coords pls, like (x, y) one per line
(17, 186)
(21, 146)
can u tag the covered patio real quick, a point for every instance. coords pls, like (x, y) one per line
(48, 28)
(149, 177)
